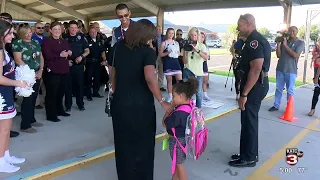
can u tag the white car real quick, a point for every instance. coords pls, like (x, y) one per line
(216, 43)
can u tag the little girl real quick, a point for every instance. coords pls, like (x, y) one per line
(182, 94)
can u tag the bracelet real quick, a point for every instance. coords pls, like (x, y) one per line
(162, 100)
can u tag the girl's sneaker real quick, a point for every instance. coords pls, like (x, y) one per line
(14, 160)
(6, 167)
(206, 97)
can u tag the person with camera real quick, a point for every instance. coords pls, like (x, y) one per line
(235, 50)
(254, 86)
(169, 52)
(288, 52)
(193, 54)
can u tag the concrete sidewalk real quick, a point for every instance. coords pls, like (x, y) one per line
(274, 136)
(57, 144)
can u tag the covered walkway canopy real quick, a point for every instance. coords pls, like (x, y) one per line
(93, 10)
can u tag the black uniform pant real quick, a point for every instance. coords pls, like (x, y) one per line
(28, 108)
(75, 80)
(236, 81)
(93, 70)
(134, 141)
(55, 90)
(250, 119)
(315, 97)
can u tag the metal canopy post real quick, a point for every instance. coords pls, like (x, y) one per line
(307, 42)
(3, 6)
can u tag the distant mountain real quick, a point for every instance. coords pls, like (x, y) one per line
(116, 22)
(217, 28)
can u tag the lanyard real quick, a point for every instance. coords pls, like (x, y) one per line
(122, 33)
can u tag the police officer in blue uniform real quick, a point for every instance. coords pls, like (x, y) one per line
(80, 50)
(94, 61)
(254, 86)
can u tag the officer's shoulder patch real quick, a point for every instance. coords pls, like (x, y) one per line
(254, 44)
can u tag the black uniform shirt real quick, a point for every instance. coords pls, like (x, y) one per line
(256, 46)
(96, 48)
(78, 44)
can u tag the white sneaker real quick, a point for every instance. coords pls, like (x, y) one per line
(206, 98)
(15, 160)
(169, 99)
(5, 167)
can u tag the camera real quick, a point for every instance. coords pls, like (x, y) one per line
(281, 36)
(107, 109)
(188, 45)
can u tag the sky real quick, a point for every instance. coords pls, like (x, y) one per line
(269, 17)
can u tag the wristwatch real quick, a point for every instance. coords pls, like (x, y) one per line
(242, 95)
(162, 100)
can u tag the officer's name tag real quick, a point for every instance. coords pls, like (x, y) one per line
(90, 44)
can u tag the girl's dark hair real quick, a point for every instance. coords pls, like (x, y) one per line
(167, 33)
(4, 26)
(188, 88)
(139, 33)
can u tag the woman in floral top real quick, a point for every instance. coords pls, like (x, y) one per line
(27, 51)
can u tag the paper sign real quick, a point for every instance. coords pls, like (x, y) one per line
(165, 144)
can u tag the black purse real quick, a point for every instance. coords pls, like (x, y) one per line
(107, 109)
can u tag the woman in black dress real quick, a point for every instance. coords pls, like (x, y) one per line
(133, 111)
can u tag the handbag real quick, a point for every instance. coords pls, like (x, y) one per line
(107, 109)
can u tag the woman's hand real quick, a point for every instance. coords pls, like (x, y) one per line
(167, 106)
(69, 52)
(22, 84)
(39, 74)
(64, 54)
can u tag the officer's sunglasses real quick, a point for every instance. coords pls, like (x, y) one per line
(178, 34)
(40, 27)
(123, 16)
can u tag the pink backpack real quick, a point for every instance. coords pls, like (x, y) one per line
(196, 134)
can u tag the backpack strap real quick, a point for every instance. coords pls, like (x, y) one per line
(186, 108)
(174, 156)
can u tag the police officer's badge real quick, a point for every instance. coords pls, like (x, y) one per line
(79, 37)
(254, 44)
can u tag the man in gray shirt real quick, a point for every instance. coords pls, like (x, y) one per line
(288, 53)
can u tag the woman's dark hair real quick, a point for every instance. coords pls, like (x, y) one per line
(139, 33)
(188, 88)
(4, 26)
(167, 33)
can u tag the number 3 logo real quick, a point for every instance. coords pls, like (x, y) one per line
(292, 159)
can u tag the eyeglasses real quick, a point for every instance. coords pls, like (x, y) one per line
(40, 27)
(123, 16)
(179, 34)
(192, 54)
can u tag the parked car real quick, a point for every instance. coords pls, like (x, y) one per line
(215, 43)
(273, 46)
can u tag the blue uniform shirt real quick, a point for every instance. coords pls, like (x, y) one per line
(37, 38)
(256, 46)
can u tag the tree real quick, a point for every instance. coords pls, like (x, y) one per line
(314, 32)
(232, 30)
(265, 32)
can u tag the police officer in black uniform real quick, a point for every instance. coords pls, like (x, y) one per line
(94, 61)
(80, 50)
(254, 86)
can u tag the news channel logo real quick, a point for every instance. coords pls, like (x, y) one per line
(293, 155)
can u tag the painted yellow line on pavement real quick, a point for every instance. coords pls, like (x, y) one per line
(264, 169)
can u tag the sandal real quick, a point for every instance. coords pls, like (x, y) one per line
(311, 113)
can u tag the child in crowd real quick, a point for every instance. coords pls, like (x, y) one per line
(182, 94)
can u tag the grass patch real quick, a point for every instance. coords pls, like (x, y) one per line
(271, 79)
(223, 51)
